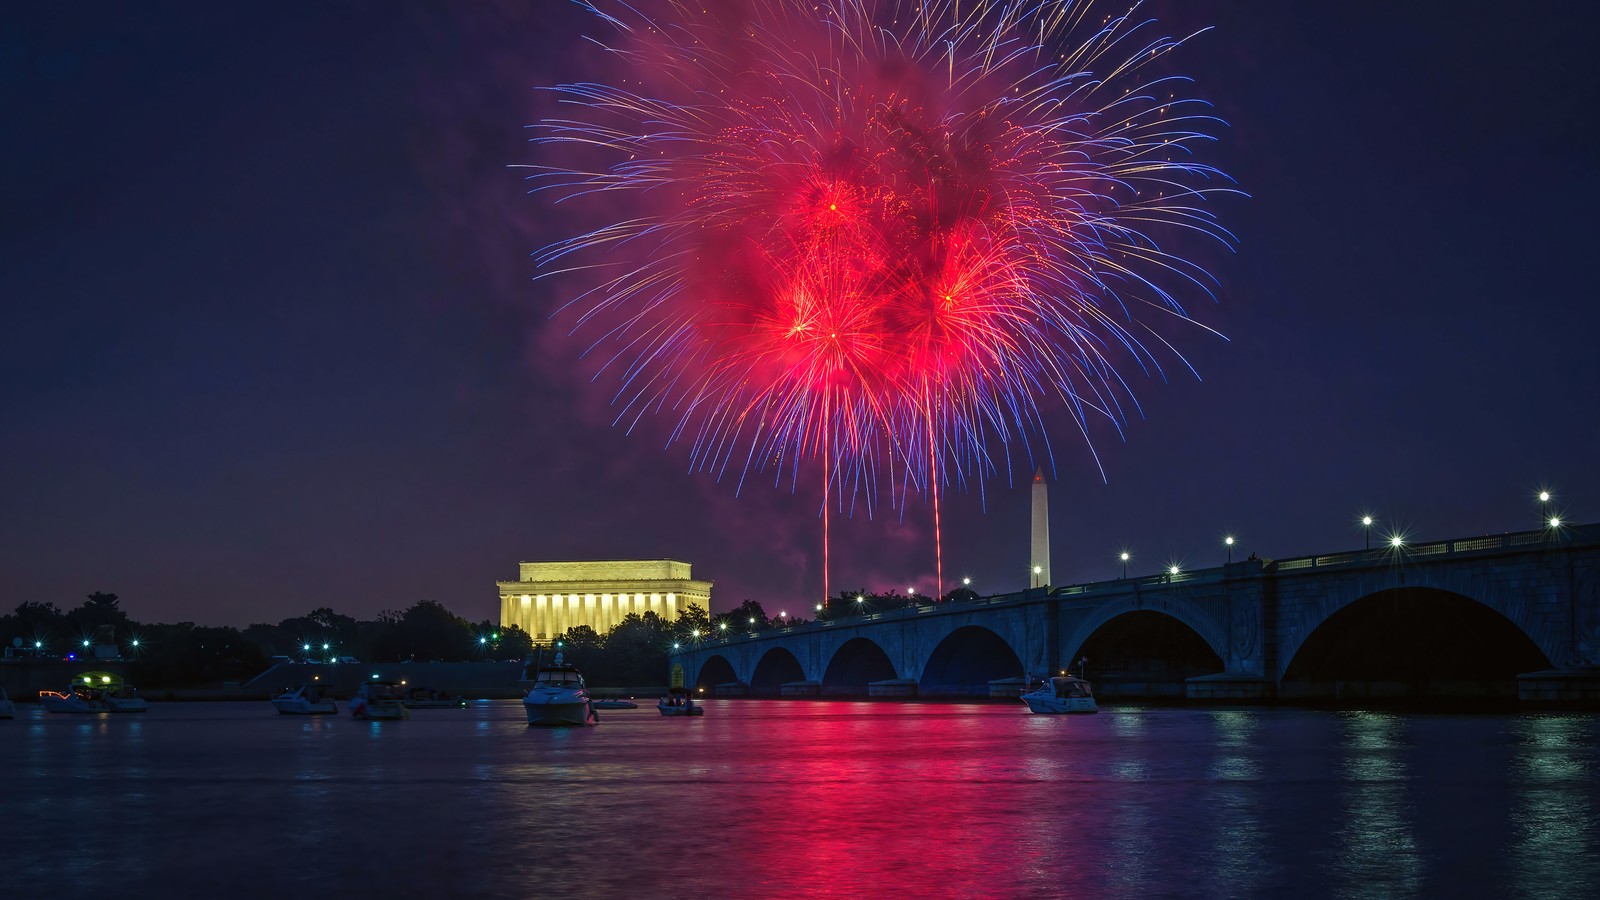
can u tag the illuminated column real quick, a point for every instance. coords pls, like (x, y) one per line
(1039, 551)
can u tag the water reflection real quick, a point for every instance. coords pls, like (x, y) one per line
(1554, 831)
(770, 799)
(1238, 850)
(1377, 849)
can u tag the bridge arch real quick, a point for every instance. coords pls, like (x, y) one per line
(855, 664)
(777, 666)
(1197, 620)
(966, 660)
(715, 670)
(1516, 607)
(1145, 653)
(1412, 642)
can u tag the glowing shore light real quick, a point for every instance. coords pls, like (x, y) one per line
(1172, 570)
(1396, 541)
(1555, 522)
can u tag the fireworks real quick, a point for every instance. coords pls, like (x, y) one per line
(894, 237)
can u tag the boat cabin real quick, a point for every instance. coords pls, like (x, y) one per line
(1069, 687)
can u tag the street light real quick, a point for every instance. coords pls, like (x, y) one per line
(1366, 526)
(1172, 570)
(1555, 521)
(1229, 541)
(966, 582)
(1396, 542)
(1125, 564)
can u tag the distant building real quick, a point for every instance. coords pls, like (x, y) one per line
(1039, 547)
(551, 597)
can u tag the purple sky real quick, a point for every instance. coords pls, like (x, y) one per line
(269, 340)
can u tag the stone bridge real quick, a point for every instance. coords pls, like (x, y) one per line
(1513, 615)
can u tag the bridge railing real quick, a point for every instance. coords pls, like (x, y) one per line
(1489, 543)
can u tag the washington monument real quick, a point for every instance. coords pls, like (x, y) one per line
(1039, 551)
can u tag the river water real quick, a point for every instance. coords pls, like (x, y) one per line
(801, 799)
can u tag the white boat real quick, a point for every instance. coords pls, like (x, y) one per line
(559, 697)
(305, 700)
(1062, 694)
(378, 700)
(7, 708)
(94, 692)
(679, 702)
(74, 699)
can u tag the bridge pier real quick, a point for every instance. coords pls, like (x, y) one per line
(1560, 687)
(1228, 687)
(892, 687)
(800, 689)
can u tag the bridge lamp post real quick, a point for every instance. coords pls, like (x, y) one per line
(1172, 570)
(1229, 541)
(1366, 526)
(723, 627)
(1550, 520)
(1396, 541)
(1125, 558)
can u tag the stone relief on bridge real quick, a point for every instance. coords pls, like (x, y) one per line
(1246, 631)
(1588, 624)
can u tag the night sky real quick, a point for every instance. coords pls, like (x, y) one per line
(270, 340)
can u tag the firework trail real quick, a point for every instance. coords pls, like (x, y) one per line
(887, 234)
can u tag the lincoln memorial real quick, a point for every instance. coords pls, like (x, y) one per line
(551, 597)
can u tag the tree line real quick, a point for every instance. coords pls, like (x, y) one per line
(632, 653)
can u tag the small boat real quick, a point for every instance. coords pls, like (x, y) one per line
(615, 704)
(378, 700)
(559, 697)
(94, 692)
(74, 699)
(7, 708)
(428, 698)
(679, 702)
(1062, 694)
(305, 700)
